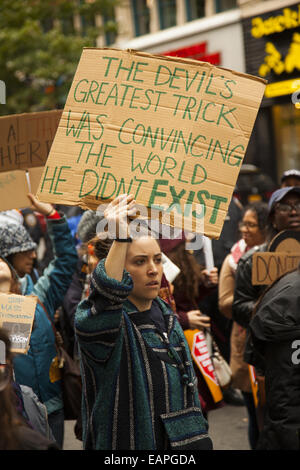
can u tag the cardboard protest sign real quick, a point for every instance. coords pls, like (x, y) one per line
(16, 317)
(15, 185)
(201, 356)
(25, 139)
(13, 190)
(171, 271)
(171, 131)
(34, 175)
(283, 256)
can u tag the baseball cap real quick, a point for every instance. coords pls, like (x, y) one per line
(293, 172)
(280, 193)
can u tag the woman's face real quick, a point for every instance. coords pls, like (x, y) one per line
(144, 263)
(23, 262)
(250, 230)
(5, 277)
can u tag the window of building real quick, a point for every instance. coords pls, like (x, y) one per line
(223, 5)
(195, 9)
(86, 23)
(47, 24)
(141, 17)
(167, 13)
(68, 25)
(109, 22)
(286, 118)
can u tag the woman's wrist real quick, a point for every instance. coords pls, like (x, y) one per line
(123, 240)
(53, 214)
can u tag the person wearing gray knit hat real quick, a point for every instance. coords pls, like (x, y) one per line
(17, 247)
(87, 226)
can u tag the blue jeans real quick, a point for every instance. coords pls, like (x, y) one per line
(253, 431)
(56, 423)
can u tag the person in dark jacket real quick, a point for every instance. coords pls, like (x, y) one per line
(284, 214)
(139, 385)
(275, 337)
(38, 369)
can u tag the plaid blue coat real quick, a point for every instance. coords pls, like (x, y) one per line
(139, 387)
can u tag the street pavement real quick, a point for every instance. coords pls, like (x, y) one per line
(227, 429)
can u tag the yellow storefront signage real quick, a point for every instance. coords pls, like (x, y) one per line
(274, 61)
(286, 87)
(289, 19)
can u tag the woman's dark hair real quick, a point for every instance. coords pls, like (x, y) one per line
(261, 211)
(101, 247)
(190, 276)
(9, 419)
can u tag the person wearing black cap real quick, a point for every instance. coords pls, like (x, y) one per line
(290, 178)
(275, 333)
(284, 214)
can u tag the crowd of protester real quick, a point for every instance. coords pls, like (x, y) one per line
(123, 322)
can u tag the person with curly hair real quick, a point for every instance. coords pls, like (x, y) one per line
(191, 284)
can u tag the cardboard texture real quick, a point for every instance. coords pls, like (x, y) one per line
(25, 139)
(35, 175)
(267, 267)
(283, 256)
(16, 317)
(173, 132)
(13, 190)
(15, 185)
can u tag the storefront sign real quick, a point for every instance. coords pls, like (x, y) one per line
(286, 87)
(196, 52)
(272, 49)
(288, 19)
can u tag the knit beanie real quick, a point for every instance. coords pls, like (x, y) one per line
(86, 229)
(14, 238)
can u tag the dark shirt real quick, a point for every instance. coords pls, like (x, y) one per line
(156, 316)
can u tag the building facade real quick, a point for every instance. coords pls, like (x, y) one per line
(258, 37)
(272, 51)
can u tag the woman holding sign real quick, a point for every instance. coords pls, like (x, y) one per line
(38, 369)
(139, 384)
